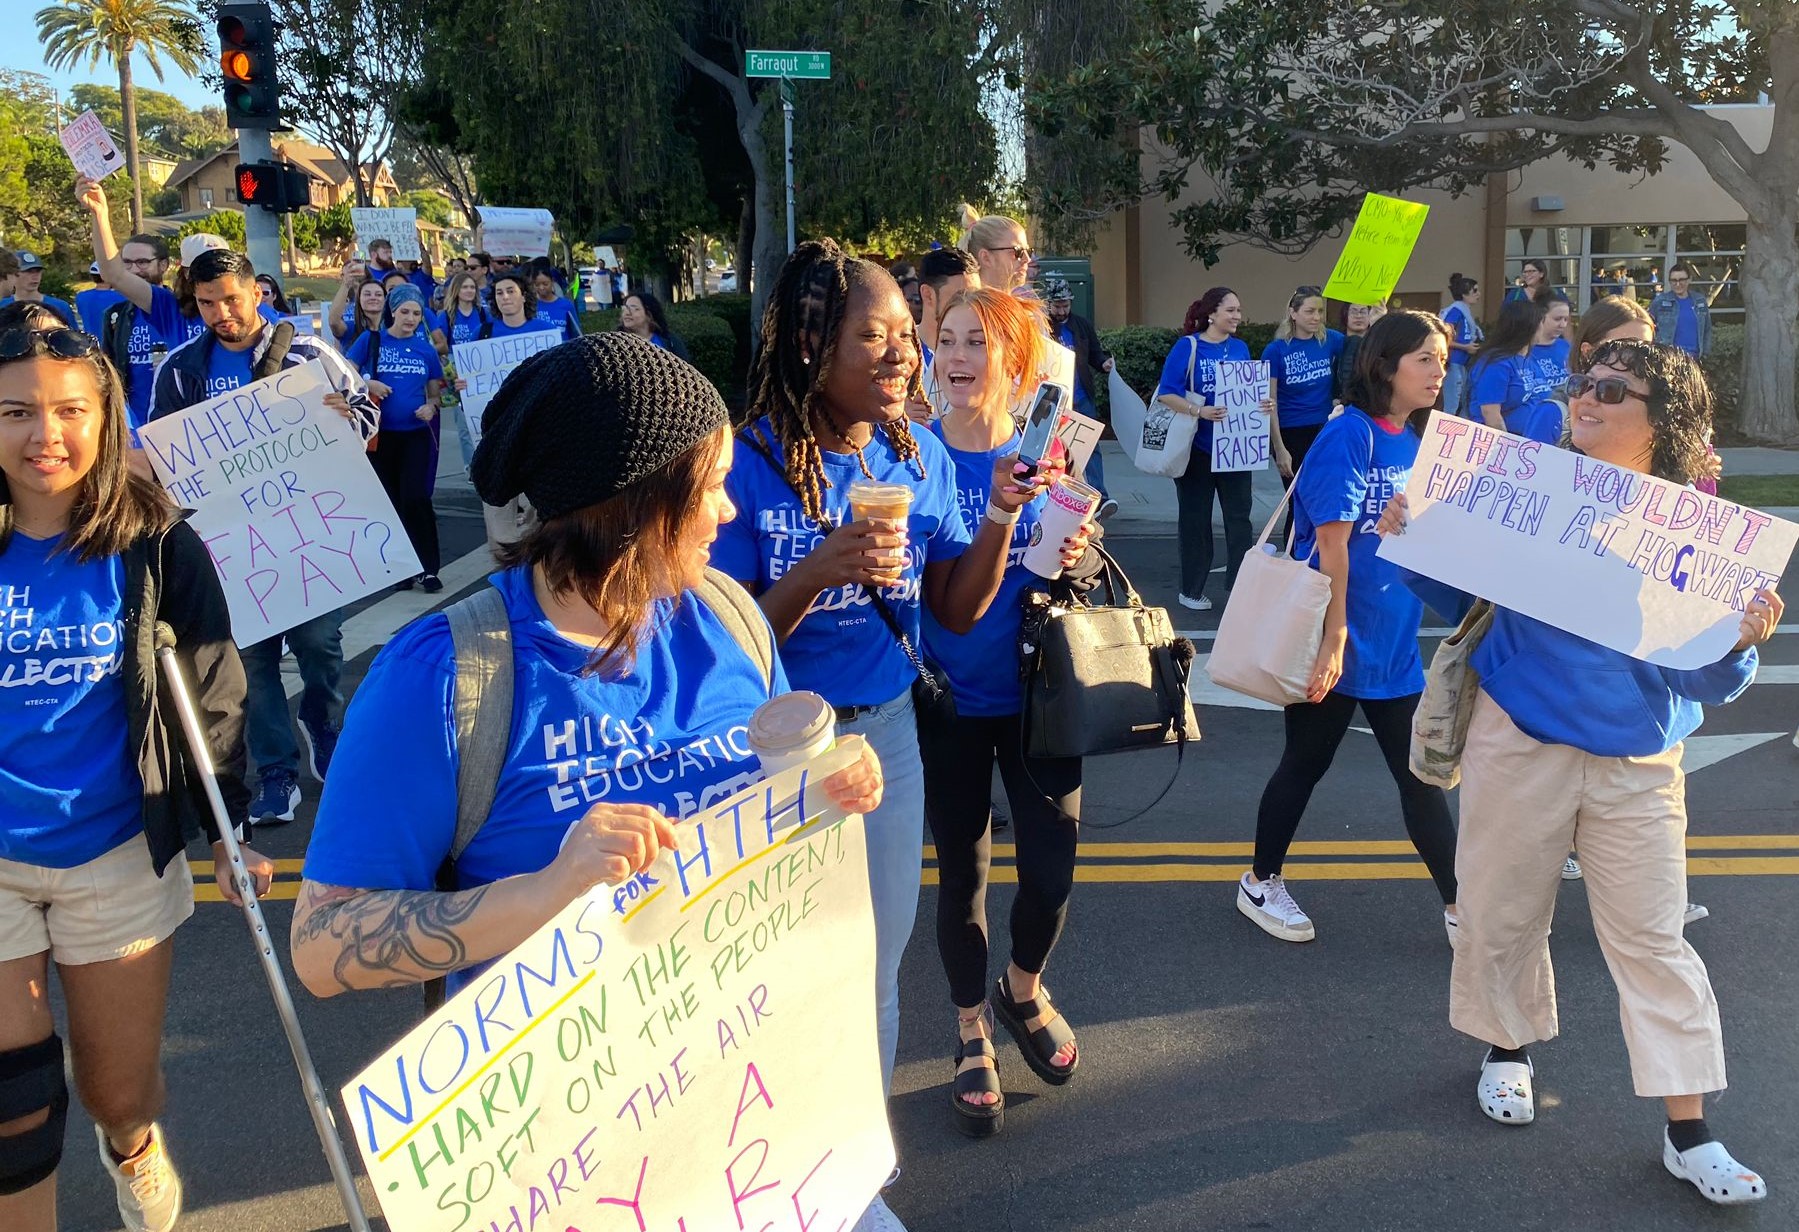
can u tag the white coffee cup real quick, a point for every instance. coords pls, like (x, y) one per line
(791, 729)
(1071, 503)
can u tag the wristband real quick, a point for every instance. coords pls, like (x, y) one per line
(1001, 517)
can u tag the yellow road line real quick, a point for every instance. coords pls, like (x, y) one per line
(1006, 874)
(1371, 847)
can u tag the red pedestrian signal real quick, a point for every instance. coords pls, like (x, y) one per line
(273, 186)
(247, 61)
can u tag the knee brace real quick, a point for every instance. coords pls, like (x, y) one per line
(31, 1080)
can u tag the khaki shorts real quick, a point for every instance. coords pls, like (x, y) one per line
(108, 908)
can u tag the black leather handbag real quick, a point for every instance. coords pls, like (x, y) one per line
(1105, 677)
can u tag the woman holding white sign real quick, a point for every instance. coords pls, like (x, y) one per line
(1573, 744)
(1369, 655)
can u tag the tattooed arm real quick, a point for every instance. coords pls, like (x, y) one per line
(345, 939)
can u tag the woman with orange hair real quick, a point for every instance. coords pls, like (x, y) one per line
(988, 347)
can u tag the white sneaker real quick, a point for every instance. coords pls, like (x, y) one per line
(1504, 1091)
(1452, 926)
(1201, 604)
(1714, 1173)
(149, 1192)
(1273, 909)
(1694, 913)
(1571, 869)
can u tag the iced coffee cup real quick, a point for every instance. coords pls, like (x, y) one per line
(869, 499)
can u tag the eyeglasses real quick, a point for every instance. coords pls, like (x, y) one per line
(1680, 280)
(1019, 251)
(19, 343)
(1608, 390)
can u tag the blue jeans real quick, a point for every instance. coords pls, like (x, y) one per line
(318, 646)
(895, 855)
(1455, 388)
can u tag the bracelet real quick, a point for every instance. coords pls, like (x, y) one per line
(1001, 517)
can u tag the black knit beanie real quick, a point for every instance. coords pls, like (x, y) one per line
(581, 422)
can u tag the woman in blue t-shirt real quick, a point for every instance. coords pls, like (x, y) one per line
(642, 314)
(97, 785)
(623, 451)
(1572, 743)
(463, 317)
(1188, 385)
(553, 307)
(988, 343)
(1497, 375)
(1302, 357)
(1369, 656)
(845, 591)
(1465, 339)
(406, 377)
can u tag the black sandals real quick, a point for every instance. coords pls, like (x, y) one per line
(977, 1120)
(1040, 1046)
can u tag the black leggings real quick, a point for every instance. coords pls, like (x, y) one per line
(406, 464)
(1299, 443)
(1313, 733)
(958, 780)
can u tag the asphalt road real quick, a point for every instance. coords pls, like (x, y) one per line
(1228, 1080)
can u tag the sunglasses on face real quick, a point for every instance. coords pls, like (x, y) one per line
(1607, 390)
(1017, 250)
(19, 342)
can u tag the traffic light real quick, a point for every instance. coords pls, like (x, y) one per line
(247, 58)
(274, 186)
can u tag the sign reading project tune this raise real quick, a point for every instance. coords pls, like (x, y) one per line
(1240, 439)
(1375, 254)
(285, 499)
(1646, 567)
(694, 1049)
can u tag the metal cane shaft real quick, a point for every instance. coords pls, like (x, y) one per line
(318, 1102)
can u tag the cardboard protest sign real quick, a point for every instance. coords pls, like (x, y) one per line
(658, 1055)
(90, 147)
(1646, 567)
(1375, 254)
(1075, 437)
(284, 496)
(485, 363)
(398, 225)
(508, 231)
(1240, 439)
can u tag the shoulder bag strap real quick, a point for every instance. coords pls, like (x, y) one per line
(1192, 359)
(742, 619)
(280, 342)
(481, 631)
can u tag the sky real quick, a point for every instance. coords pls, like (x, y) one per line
(22, 51)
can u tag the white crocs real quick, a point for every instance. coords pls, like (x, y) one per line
(1714, 1173)
(1505, 1092)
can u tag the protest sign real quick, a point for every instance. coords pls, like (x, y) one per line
(1240, 439)
(1643, 566)
(285, 499)
(90, 147)
(1375, 254)
(693, 1049)
(1075, 437)
(398, 225)
(507, 231)
(485, 363)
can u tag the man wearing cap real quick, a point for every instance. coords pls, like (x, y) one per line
(238, 347)
(91, 304)
(1076, 333)
(25, 289)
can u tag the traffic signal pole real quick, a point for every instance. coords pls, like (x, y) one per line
(262, 228)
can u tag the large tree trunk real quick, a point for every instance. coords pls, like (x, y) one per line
(1771, 331)
(770, 247)
(128, 105)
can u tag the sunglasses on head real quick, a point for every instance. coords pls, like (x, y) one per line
(20, 342)
(1608, 390)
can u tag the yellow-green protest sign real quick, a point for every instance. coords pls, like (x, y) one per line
(1377, 250)
(695, 1049)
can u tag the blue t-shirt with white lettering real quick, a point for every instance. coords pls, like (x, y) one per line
(560, 314)
(1544, 369)
(405, 365)
(91, 306)
(69, 786)
(1303, 369)
(1467, 330)
(1497, 380)
(1354, 468)
(226, 369)
(842, 649)
(1203, 357)
(462, 326)
(983, 663)
(162, 325)
(671, 733)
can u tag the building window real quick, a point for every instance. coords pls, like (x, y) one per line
(206, 198)
(1589, 263)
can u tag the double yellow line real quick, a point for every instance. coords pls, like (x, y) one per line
(1749, 855)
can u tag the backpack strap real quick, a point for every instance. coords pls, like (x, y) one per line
(742, 619)
(279, 343)
(481, 632)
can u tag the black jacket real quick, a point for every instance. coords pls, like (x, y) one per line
(169, 577)
(1089, 357)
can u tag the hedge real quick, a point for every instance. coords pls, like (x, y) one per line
(711, 343)
(1724, 371)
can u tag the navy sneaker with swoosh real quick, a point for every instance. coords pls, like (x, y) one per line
(1271, 906)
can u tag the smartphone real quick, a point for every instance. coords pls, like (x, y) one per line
(1040, 424)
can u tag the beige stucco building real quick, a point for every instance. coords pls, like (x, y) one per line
(1582, 222)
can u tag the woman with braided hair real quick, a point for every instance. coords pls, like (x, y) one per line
(844, 593)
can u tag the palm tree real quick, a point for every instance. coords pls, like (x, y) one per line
(76, 30)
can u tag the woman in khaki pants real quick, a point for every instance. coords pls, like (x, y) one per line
(1575, 745)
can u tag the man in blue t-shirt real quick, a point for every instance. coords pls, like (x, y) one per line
(91, 304)
(25, 289)
(1682, 318)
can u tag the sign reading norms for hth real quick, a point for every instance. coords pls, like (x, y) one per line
(802, 64)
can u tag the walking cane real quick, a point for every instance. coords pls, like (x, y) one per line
(318, 1102)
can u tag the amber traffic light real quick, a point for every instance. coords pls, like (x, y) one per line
(247, 62)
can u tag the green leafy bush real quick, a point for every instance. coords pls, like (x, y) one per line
(1724, 371)
(1256, 335)
(734, 310)
(228, 225)
(711, 344)
(1139, 351)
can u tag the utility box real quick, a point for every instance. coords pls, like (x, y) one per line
(1079, 273)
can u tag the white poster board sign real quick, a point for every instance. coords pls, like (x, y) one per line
(1637, 564)
(508, 231)
(1240, 439)
(1075, 437)
(285, 499)
(90, 147)
(485, 363)
(398, 225)
(658, 1055)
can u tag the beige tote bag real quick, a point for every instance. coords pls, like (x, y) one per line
(1273, 623)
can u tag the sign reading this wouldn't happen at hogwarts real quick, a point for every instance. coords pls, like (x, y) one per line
(653, 1057)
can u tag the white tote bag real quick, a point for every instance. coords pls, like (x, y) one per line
(1166, 446)
(1273, 623)
(1127, 414)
